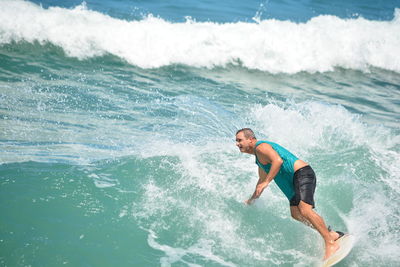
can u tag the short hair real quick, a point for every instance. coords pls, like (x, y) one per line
(248, 133)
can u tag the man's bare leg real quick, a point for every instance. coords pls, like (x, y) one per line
(295, 212)
(305, 214)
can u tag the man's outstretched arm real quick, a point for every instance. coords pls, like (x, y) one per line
(268, 154)
(262, 177)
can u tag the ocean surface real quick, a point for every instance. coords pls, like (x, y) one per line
(118, 121)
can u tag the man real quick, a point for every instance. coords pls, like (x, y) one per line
(293, 176)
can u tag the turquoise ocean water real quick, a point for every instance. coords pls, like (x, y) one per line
(117, 123)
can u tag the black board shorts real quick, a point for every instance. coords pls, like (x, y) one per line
(304, 182)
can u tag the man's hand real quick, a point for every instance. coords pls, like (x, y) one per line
(260, 188)
(249, 201)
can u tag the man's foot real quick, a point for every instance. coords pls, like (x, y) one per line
(330, 248)
(335, 235)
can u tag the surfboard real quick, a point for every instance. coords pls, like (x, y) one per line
(346, 243)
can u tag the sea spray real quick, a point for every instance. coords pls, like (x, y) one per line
(214, 179)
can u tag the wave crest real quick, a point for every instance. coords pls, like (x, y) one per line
(319, 45)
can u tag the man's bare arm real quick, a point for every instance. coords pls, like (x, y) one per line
(262, 175)
(266, 153)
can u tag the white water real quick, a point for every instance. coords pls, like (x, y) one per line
(318, 45)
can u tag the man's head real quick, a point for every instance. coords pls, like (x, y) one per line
(246, 140)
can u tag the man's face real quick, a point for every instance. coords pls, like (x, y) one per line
(243, 143)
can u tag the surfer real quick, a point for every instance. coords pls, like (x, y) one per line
(293, 176)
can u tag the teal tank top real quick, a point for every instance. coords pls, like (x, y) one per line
(284, 179)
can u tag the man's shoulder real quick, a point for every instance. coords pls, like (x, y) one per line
(262, 146)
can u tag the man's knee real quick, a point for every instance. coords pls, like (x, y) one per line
(305, 209)
(294, 211)
(296, 216)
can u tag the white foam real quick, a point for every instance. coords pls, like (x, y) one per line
(103, 181)
(374, 221)
(175, 254)
(320, 44)
(315, 125)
